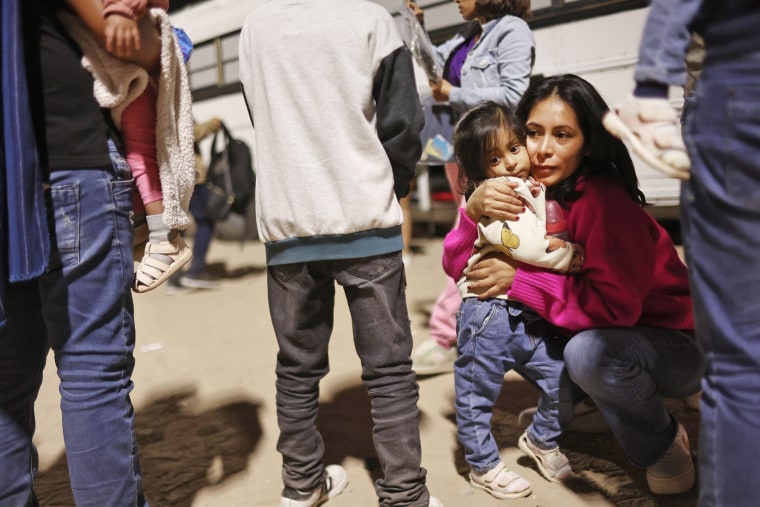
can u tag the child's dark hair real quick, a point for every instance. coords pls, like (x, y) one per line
(476, 135)
(604, 154)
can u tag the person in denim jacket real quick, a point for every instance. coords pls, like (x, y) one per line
(491, 59)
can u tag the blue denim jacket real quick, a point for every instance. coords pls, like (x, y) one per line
(24, 238)
(498, 67)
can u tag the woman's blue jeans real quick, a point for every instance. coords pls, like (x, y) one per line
(495, 336)
(720, 218)
(82, 309)
(628, 372)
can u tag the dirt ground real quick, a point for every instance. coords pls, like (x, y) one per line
(206, 423)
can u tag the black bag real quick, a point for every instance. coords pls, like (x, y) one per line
(230, 179)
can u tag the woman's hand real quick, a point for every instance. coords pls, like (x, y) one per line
(495, 199)
(441, 90)
(492, 276)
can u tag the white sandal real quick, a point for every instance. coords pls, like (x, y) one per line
(153, 271)
(500, 482)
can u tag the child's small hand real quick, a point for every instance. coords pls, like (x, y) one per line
(122, 36)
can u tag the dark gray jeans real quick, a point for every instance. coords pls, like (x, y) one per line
(301, 304)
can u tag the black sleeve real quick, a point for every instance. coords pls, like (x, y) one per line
(399, 116)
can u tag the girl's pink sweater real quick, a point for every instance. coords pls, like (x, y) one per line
(632, 275)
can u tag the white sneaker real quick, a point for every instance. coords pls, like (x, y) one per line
(430, 358)
(650, 127)
(434, 502)
(335, 482)
(552, 464)
(673, 473)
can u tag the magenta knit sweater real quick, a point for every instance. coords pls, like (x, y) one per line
(632, 275)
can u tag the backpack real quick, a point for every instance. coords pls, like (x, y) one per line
(230, 172)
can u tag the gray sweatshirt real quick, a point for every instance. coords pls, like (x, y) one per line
(330, 90)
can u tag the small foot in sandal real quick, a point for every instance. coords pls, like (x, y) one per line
(160, 261)
(501, 483)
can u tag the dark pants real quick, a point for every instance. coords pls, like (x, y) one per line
(301, 304)
(204, 229)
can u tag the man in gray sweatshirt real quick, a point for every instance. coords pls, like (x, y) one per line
(330, 89)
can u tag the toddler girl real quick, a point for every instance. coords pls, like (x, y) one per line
(498, 334)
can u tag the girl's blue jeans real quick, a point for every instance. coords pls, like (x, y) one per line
(495, 336)
(82, 309)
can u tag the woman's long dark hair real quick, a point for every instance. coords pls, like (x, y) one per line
(604, 154)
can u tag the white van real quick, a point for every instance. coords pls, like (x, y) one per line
(596, 39)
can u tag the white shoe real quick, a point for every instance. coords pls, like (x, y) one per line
(500, 482)
(552, 464)
(434, 502)
(430, 358)
(160, 261)
(335, 482)
(650, 127)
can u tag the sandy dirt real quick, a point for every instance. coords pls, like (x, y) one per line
(205, 414)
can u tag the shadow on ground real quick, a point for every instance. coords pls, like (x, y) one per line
(598, 460)
(182, 451)
(345, 422)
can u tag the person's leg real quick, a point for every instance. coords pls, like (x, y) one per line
(546, 370)
(23, 349)
(375, 289)
(301, 302)
(720, 210)
(479, 376)
(204, 231)
(87, 303)
(627, 372)
(196, 276)
(490, 341)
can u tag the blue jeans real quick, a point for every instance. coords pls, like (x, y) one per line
(204, 230)
(82, 309)
(628, 372)
(720, 216)
(493, 337)
(301, 304)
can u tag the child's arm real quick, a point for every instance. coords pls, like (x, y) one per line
(149, 54)
(526, 240)
(122, 36)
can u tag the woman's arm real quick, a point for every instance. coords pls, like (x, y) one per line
(495, 199)
(492, 276)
